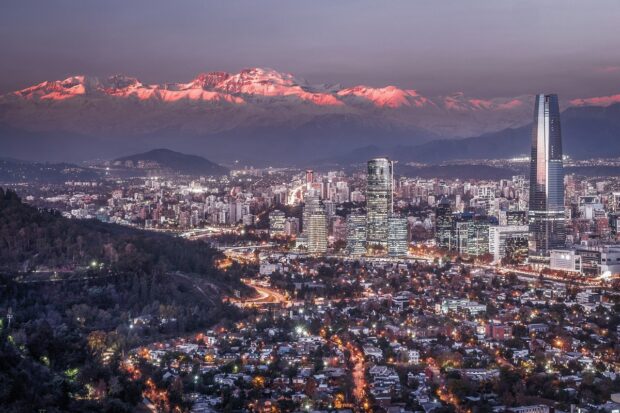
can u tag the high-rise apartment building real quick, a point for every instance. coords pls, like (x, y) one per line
(315, 225)
(379, 202)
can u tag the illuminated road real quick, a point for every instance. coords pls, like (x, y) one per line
(357, 373)
(266, 296)
(359, 379)
(247, 248)
(200, 233)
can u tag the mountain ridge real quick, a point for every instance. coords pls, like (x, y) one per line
(587, 132)
(168, 159)
(259, 115)
(244, 99)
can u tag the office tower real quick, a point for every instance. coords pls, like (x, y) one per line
(356, 234)
(516, 218)
(499, 237)
(338, 228)
(379, 193)
(311, 202)
(330, 208)
(315, 225)
(614, 202)
(309, 178)
(245, 210)
(291, 227)
(461, 231)
(444, 224)
(184, 219)
(234, 211)
(516, 250)
(342, 192)
(589, 205)
(614, 224)
(478, 236)
(277, 220)
(249, 219)
(546, 210)
(397, 236)
(484, 198)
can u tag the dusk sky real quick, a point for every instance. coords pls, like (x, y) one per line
(484, 48)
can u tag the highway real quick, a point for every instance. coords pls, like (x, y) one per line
(266, 296)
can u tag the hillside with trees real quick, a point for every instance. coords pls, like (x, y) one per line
(60, 347)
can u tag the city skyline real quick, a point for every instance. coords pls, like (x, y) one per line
(314, 206)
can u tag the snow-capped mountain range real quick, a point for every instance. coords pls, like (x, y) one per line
(218, 101)
(278, 104)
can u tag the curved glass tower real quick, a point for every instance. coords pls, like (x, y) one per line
(379, 195)
(546, 212)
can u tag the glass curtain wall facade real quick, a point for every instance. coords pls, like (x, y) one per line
(379, 200)
(546, 211)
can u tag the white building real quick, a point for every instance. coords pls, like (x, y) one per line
(610, 261)
(537, 408)
(413, 356)
(565, 260)
(498, 236)
(277, 220)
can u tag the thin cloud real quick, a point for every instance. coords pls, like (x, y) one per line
(608, 69)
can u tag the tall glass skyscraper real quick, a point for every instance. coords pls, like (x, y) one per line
(546, 212)
(444, 224)
(379, 194)
(356, 234)
(398, 244)
(315, 225)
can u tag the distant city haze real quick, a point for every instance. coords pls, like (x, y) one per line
(483, 48)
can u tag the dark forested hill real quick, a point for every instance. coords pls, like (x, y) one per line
(175, 161)
(31, 239)
(52, 353)
(14, 170)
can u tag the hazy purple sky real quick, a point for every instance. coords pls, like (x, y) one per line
(484, 48)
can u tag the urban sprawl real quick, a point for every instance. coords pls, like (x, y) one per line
(375, 291)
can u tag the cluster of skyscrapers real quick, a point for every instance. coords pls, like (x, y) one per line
(513, 234)
(375, 231)
(385, 232)
(531, 234)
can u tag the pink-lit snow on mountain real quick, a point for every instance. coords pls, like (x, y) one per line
(385, 97)
(256, 97)
(596, 101)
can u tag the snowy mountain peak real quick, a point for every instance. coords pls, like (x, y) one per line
(260, 81)
(385, 97)
(208, 80)
(60, 89)
(252, 98)
(121, 82)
